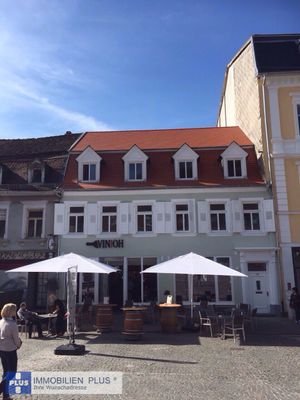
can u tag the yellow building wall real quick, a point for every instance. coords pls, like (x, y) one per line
(286, 110)
(293, 194)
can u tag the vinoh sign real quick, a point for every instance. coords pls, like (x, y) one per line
(107, 244)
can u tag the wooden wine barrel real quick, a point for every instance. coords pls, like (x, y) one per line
(104, 318)
(133, 323)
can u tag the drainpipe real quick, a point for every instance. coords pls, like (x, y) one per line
(270, 185)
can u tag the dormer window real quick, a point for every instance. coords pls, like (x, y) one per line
(186, 163)
(135, 165)
(234, 162)
(186, 170)
(36, 172)
(89, 166)
(135, 171)
(234, 168)
(89, 172)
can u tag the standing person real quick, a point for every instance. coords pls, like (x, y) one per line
(9, 343)
(295, 304)
(30, 318)
(60, 323)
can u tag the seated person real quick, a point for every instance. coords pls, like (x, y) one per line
(30, 318)
(59, 327)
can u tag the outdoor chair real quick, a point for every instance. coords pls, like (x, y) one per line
(235, 325)
(206, 320)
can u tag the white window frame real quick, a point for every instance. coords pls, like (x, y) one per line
(191, 214)
(183, 213)
(89, 157)
(136, 204)
(68, 206)
(135, 156)
(100, 206)
(259, 202)
(135, 178)
(36, 165)
(234, 153)
(185, 154)
(89, 164)
(33, 206)
(218, 212)
(35, 222)
(234, 160)
(5, 206)
(296, 103)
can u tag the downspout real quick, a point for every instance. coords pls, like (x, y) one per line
(270, 186)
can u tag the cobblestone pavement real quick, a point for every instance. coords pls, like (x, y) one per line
(183, 365)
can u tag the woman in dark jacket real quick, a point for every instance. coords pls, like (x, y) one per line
(60, 323)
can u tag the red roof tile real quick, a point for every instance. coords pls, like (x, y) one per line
(160, 172)
(162, 139)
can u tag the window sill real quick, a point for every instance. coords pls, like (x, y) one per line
(75, 236)
(183, 234)
(144, 235)
(253, 233)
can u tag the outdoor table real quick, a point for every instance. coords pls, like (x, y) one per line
(168, 317)
(46, 317)
(104, 317)
(133, 322)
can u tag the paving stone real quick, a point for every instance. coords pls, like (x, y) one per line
(182, 366)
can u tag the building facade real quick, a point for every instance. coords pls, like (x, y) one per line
(261, 94)
(134, 198)
(30, 172)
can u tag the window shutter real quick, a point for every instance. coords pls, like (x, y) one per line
(132, 218)
(192, 216)
(237, 216)
(168, 217)
(59, 219)
(124, 218)
(92, 219)
(203, 222)
(269, 216)
(160, 217)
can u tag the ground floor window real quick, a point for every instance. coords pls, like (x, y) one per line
(209, 287)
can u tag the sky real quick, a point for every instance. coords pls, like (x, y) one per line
(81, 65)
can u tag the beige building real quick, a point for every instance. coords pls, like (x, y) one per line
(261, 94)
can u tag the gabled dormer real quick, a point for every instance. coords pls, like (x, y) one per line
(186, 163)
(89, 166)
(234, 162)
(135, 165)
(36, 172)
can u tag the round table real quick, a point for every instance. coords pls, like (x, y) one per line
(168, 317)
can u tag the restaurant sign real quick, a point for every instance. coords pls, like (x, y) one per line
(107, 244)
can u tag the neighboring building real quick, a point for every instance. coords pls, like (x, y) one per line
(261, 94)
(134, 198)
(30, 172)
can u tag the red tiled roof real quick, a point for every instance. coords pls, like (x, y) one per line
(160, 172)
(162, 139)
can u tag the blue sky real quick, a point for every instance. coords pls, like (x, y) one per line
(122, 64)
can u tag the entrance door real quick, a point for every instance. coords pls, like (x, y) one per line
(258, 287)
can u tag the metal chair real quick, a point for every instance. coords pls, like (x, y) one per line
(206, 320)
(235, 325)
